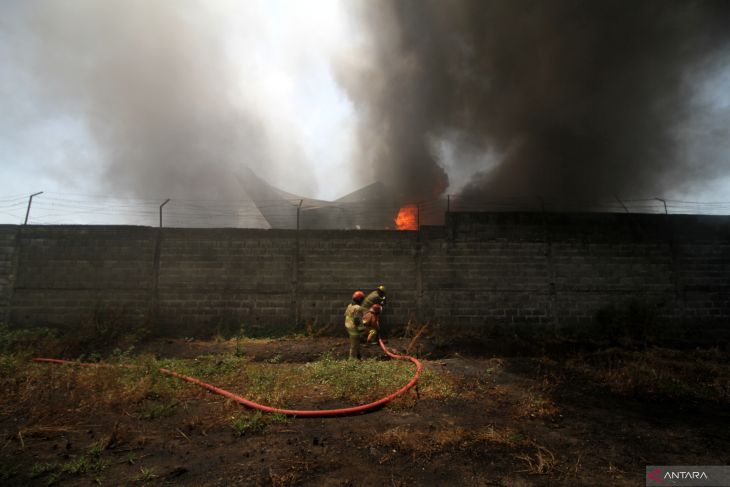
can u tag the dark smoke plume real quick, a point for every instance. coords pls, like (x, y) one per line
(153, 85)
(576, 98)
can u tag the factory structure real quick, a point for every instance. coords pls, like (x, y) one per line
(372, 207)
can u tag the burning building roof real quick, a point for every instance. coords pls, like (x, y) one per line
(371, 207)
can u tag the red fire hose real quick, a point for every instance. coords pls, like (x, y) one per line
(304, 413)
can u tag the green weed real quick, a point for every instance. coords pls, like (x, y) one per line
(8, 471)
(240, 337)
(39, 469)
(25, 339)
(257, 422)
(204, 366)
(145, 474)
(276, 418)
(244, 424)
(371, 379)
(89, 462)
(131, 459)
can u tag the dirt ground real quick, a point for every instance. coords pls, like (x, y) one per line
(584, 419)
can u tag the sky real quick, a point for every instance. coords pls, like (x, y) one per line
(205, 88)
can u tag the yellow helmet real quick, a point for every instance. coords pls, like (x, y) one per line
(381, 288)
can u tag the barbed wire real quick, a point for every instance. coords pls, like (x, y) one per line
(71, 208)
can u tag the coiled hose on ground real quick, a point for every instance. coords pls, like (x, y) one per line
(302, 413)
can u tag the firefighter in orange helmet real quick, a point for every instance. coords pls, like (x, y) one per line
(354, 324)
(371, 321)
(375, 297)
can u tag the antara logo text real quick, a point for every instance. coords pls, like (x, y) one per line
(685, 475)
(656, 475)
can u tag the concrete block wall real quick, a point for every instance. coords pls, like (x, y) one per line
(332, 264)
(478, 282)
(567, 270)
(8, 255)
(477, 271)
(64, 275)
(222, 278)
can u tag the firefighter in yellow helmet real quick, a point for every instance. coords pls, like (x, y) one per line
(354, 324)
(371, 321)
(375, 297)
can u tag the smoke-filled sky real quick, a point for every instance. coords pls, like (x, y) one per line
(488, 99)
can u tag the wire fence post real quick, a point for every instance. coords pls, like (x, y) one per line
(299, 210)
(665, 205)
(622, 203)
(448, 203)
(163, 204)
(30, 201)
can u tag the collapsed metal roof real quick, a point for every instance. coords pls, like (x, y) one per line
(370, 207)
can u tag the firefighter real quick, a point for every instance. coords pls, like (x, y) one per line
(353, 323)
(375, 297)
(371, 322)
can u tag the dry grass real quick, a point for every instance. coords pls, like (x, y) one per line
(423, 446)
(414, 331)
(145, 393)
(42, 394)
(166, 411)
(291, 472)
(43, 431)
(689, 375)
(536, 405)
(540, 462)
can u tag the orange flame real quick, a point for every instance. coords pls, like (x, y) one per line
(407, 218)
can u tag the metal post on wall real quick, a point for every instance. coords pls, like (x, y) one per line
(299, 209)
(622, 203)
(163, 204)
(30, 200)
(665, 205)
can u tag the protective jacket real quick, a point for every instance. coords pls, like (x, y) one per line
(353, 319)
(371, 322)
(373, 298)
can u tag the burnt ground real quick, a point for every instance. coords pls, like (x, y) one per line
(595, 418)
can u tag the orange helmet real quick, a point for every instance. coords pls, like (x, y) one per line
(358, 296)
(376, 308)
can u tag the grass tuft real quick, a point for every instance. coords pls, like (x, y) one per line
(89, 462)
(244, 424)
(145, 475)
